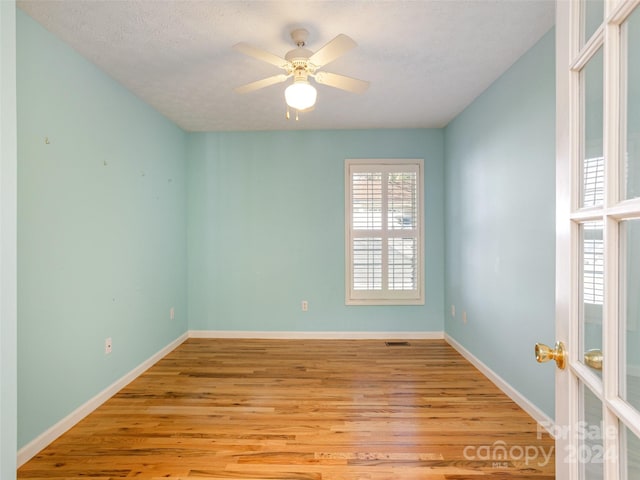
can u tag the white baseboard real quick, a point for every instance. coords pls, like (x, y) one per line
(538, 415)
(297, 335)
(31, 449)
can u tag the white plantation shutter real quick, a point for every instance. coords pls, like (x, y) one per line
(593, 181)
(593, 242)
(383, 210)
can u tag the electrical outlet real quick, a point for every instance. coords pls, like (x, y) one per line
(453, 310)
(172, 313)
(108, 346)
(305, 305)
(464, 317)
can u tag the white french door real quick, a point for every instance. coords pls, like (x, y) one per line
(598, 239)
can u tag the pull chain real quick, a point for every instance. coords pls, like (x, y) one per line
(288, 114)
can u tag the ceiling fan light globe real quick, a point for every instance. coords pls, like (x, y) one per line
(300, 95)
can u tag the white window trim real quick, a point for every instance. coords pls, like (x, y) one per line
(384, 297)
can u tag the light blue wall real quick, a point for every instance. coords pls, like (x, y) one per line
(8, 294)
(500, 235)
(101, 230)
(266, 230)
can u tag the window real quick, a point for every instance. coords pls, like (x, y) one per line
(384, 232)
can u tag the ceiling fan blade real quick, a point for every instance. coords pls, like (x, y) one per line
(332, 50)
(342, 82)
(265, 82)
(260, 54)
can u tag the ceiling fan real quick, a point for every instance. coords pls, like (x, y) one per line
(301, 63)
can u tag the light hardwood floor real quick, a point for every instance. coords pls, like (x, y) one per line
(303, 410)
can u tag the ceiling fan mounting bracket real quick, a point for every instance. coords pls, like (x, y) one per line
(299, 36)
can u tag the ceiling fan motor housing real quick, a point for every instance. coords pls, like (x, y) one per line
(299, 60)
(299, 54)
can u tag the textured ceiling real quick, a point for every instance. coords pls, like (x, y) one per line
(426, 60)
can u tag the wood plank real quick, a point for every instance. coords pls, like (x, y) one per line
(303, 410)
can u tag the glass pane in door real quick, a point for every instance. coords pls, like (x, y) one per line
(592, 286)
(630, 455)
(590, 450)
(592, 127)
(630, 112)
(592, 14)
(630, 312)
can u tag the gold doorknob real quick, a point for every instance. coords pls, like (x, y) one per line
(593, 358)
(545, 353)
